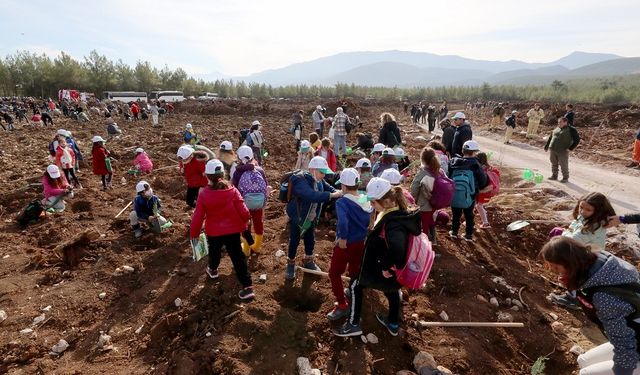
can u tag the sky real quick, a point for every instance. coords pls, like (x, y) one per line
(241, 37)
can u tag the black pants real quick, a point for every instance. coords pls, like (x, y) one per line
(432, 124)
(239, 260)
(70, 174)
(468, 217)
(355, 305)
(192, 196)
(106, 179)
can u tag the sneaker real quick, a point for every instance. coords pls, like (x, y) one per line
(485, 226)
(632, 164)
(137, 233)
(553, 178)
(246, 293)
(565, 300)
(290, 273)
(468, 238)
(213, 274)
(310, 265)
(348, 330)
(392, 328)
(338, 312)
(564, 180)
(453, 235)
(347, 293)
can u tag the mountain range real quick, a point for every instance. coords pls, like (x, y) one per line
(409, 69)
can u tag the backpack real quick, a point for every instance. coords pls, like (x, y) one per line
(348, 126)
(420, 257)
(493, 175)
(285, 191)
(253, 189)
(30, 214)
(442, 192)
(243, 135)
(465, 188)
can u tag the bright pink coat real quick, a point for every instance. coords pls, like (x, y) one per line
(50, 190)
(143, 163)
(222, 211)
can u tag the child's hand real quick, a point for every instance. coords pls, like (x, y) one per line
(387, 274)
(342, 244)
(613, 221)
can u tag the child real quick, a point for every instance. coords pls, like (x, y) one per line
(386, 161)
(66, 160)
(441, 153)
(395, 178)
(327, 154)
(56, 189)
(192, 165)
(607, 292)
(365, 142)
(353, 223)
(228, 157)
(376, 153)
(146, 208)
(635, 156)
(251, 182)
(113, 130)
(314, 139)
(74, 146)
(221, 200)
(309, 191)
(190, 137)
(304, 156)
(484, 196)
(256, 141)
(363, 166)
(403, 160)
(100, 154)
(385, 249)
(142, 162)
(422, 188)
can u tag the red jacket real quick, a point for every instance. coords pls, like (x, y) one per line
(134, 108)
(99, 153)
(194, 173)
(331, 158)
(69, 163)
(222, 211)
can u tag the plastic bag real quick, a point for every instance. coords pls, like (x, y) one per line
(200, 247)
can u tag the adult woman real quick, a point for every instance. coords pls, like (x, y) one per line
(390, 133)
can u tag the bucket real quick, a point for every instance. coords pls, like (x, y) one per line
(349, 151)
(527, 174)
(539, 178)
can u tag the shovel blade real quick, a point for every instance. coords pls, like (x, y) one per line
(517, 225)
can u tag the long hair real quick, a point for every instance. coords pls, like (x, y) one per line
(430, 160)
(386, 117)
(483, 159)
(573, 255)
(313, 137)
(396, 195)
(387, 159)
(56, 183)
(217, 181)
(437, 146)
(602, 210)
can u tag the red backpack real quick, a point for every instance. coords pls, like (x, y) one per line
(493, 175)
(420, 256)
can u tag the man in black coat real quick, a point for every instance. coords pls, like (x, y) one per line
(463, 133)
(448, 131)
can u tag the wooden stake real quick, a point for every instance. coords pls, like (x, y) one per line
(424, 324)
(121, 211)
(319, 273)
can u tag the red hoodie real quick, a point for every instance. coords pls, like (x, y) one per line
(331, 158)
(222, 211)
(194, 173)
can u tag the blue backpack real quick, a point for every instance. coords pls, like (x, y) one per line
(253, 189)
(465, 188)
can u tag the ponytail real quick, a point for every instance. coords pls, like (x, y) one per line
(396, 195)
(217, 181)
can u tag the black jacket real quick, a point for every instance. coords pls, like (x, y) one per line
(575, 136)
(470, 163)
(463, 134)
(511, 121)
(447, 138)
(390, 134)
(380, 254)
(569, 116)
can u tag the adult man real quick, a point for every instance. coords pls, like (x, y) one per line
(511, 125)
(535, 115)
(569, 115)
(318, 119)
(498, 114)
(340, 134)
(155, 114)
(563, 139)
(448, 131)
(463, 133)
(431, 117)
(296, 122)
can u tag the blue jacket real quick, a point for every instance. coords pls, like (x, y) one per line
(463, 133)
(144, 206)
(303, 195)
(353, 219)
(379, 167)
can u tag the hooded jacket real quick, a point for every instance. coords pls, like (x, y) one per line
(610, 312)
(303, 195)
(470, 163)
(143, 163)
(463, 133)
(384, 251)
(241, 168)
(99, 154)
(353, 218)
(222, 211)
(194, 173)
(447, 138)
(390, 134)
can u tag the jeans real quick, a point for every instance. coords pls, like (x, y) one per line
(340, 145)
(341, 260)
(239, 260)
(257, 154)
(309, 239)
(355, 307)
(468, 217)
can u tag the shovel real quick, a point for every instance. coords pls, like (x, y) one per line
(519, 224)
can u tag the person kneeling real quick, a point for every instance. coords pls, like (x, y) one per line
(146, 208)
(56, 189)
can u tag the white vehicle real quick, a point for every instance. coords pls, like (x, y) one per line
(125, 96)
(208, 96)
(167, 96)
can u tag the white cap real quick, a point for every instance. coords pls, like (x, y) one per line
(399, 152)
(189, 126)
(364, 162)
(320, 163)
(471, 146)
(184, 152)
(53, 171)
(514, 112)
(459, 115)
(319, 107)
(245, 153)
(62, 132)
(392, 175)
(142, 186)
(139, 150)
(388, 151)
(97, 138)
(68, 134)
(339, 110)
(214, 166)
(378, 147)
(256, 122)
(226, 145)
(377, 188)
(349, 177)
(305, 145)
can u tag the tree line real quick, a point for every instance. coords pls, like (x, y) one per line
(30, 74)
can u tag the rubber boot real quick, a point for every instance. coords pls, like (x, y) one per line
(257, 244)
(245, 246)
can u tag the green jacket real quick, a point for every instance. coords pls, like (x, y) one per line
(560, 140)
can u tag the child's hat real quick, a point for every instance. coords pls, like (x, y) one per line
(226, 146)
(392, 175)
(142, 186)
(214, 166)
(471, 146)
(139, 150)
(399, 152)
(363, 163)
(377, 188)
(53, 171)
(189, 126)
(62, 132)
(184, 152)
(97, 138)
(245, 153)
(256, 123)
(320, 163)
(388, 151)
(349, 177)
(305, 145)
(378, 147)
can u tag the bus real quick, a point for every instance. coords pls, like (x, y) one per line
(124, 96)
(208, 96)
(167, 96)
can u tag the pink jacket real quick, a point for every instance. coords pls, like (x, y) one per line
(222, 211)
(50, 190)
(143, 163)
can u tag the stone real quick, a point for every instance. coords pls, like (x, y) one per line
(102, 295)
(405, 372)
(557, 327)
(128, 269)
(38, 319)
(514, 308)
(505, 317)
(481, 298)
(263, 278)
(576, 349)
(46, 309)
(415, 316)
(517, 303)
(26, 331)
(424, 359)
(445, 370)
(208, 334)
(554, 316)
(279, 254)
(60, 347)
(444, 316)
(372, 338)
(3, 316)
(177, 302)
(303, 365)
(103, 340)
(137, 331)
(507, 301)
(316, 371)
(364, 339)
(494, 301)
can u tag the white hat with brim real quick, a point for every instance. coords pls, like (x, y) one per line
(319, 163)
(214, 166)
(305, 145)
(349, 177)
(142, 186)
(97, 138)
(245, 153)
(377, 188)
(392, 175)
(53, 171)
(399, 152)
(388, 151)
(139, 150)
(378, 147)
(363, 163)
(471, 146)
(184, 152)
(459, 115)
(62, 132)
(226, 145)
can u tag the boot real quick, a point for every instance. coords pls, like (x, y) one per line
(291, 269)
(257, 244)
(245, 247)
(632, 164)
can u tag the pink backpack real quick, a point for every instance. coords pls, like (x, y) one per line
(420, 258)
(442, 192)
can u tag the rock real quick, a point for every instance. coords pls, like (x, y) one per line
(137, 331)
(26, 331)
(445, 370)
(444, 316)
(554, 316)
(557, 327)
(103, 340)
(279, 253)
(405, 372)
(576, 349)
(428, 371)
(3, 316)
(128, 269)
(182, 271)
(38, 319)
(507, 301)
(123, 181)
(424, 359)
(208, 334)
(514, 308)
(505, 317)
(415, 316)
(6, 256)
(316, 371)
(60, 347)
(178, 302)
(66, 273)
(372, 338)
(481, 298)
(517, 303)
(102, 295)
(303, 365)
(46, 309)
(364, 339)
(263, 278)
(494, 301)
